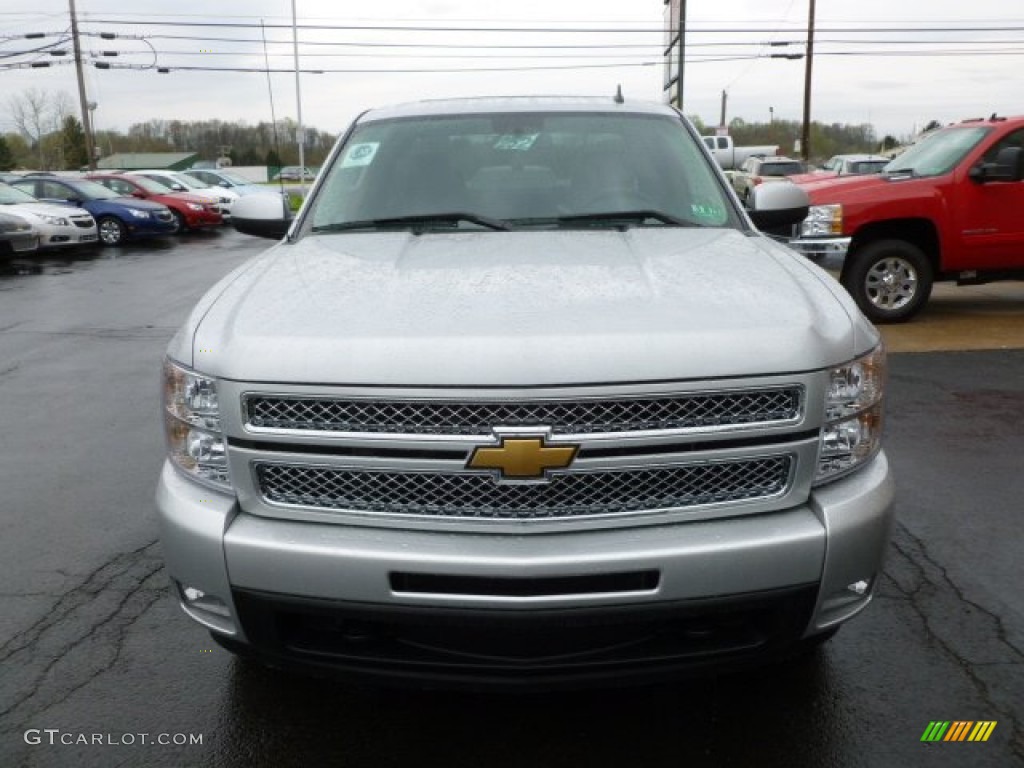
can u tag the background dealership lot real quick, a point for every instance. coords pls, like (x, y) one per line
(91, 642)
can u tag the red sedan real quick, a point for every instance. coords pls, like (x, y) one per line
(190, 211)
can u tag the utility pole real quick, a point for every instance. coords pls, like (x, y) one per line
(682, 51)
(86, 122)
(805, 136)
(721, 120)
(298, 96)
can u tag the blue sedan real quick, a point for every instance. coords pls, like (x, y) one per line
(117, 218)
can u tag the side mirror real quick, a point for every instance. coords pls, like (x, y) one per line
(224, 184)
(776, 207)
(136, 193)
(262, 216)
(1009, 166)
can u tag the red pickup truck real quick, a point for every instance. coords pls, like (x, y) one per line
(950, 208)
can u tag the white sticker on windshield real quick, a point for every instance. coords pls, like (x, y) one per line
(516, 143)
(360, 154)
(709, 212)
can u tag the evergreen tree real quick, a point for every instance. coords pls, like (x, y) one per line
(73, 142)
(6, 156)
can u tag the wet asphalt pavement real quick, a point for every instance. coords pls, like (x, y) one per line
(93, 648)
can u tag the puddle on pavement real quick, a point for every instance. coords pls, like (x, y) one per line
(49, 264)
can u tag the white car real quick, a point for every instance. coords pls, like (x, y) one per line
(855, 165)
(228, 180)
(179, 182)
(59, 226)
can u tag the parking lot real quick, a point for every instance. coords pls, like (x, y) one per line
(100, 668)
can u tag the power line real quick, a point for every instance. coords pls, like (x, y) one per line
(554, 30)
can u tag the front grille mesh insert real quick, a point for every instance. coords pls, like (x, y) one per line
(568, 495)
(441, 417)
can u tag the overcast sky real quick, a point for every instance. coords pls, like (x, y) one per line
(861, 74)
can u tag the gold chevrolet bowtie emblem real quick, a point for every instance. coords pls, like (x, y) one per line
(522, 458)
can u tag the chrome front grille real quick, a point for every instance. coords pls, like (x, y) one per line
(462, 495)
(720, 409)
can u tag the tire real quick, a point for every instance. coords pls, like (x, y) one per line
(890, 280)
(111, 230)
(179, 223)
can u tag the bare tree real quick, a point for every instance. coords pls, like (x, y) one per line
(35, 113)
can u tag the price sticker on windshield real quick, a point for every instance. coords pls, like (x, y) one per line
(516, 143)
(360, 154)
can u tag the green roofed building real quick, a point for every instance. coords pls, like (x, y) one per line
(136, 161)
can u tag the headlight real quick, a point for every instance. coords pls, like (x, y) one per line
(56, 221)
(823, 221)
(195, 442)
(194, 206)
(852, 432)
(138, 214)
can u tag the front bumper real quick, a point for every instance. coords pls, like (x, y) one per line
(65, 237)
(150, 227)
(535, 607)
(204, 218)
(820, 247)
(19, 242)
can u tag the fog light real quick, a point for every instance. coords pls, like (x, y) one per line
(198, 600)
(859, 587)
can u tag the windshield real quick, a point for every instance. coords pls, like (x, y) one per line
(188, 181)
(864, 167)
(91, 190)
(232, 178)
(11, 196)
(153, 187)
(522, 170)
(938, 153)
(781, 169)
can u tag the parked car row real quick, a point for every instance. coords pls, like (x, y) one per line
(46, 211)
(55, 226)
(190, 211)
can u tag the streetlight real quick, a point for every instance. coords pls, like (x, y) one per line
(91, 106)
(298, 96)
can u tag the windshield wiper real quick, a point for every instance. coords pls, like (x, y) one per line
(634, 217)
(418, 223)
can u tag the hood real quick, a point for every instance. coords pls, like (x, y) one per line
(187, 197)
(522, 308)
(134, 202)
(833, 188)
(45, 209)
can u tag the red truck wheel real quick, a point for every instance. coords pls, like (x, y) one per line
(889, 279)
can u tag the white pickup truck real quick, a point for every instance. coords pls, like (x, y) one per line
(730, 157)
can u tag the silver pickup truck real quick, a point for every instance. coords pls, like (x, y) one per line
(523, 397)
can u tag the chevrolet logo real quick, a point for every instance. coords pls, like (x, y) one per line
(522, 458)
